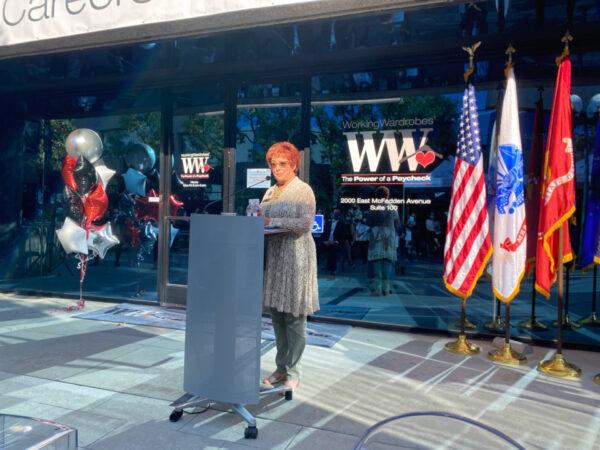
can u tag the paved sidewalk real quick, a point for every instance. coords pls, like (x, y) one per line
(115, 383)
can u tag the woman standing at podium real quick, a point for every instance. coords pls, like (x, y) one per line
(290, 281)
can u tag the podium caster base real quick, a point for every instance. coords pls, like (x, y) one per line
(250, 433)
(289, 395)
(175, 415)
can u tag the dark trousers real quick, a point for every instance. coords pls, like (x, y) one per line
(332, 252)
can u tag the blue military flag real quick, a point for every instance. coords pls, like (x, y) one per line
(590, 253)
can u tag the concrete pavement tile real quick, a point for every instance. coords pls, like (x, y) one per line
(131, 408)
(167, 385)
(150, 357)
(65, 395)
(90, 426)
(313, 438)
(31, 408)
(38, 355)
(111, 378)
(157, 435)
(230, 427)
(10, 383)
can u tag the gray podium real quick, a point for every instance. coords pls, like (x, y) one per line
(224, 309)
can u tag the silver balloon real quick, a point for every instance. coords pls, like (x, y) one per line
(84, 142)
(104, 172)
(593, 109)
(99, 242)
(72, 237)
(140, 157)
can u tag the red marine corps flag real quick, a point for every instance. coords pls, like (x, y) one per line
(557, 202)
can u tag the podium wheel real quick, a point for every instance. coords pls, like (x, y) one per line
(175, 415)
(251, 433)
(289, 395)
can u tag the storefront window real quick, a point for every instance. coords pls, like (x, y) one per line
(403, 143)
(122, 260)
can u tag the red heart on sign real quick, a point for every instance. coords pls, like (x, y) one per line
(425, 158)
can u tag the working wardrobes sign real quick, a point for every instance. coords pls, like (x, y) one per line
(24, 21)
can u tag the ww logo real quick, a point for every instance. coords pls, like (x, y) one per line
(195, 163)
(408, 150)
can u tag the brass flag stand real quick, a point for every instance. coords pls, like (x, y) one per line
(461, 345)
(506, 355)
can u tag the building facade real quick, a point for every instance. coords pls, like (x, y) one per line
(188, 103)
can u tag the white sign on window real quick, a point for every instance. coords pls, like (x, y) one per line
(258, 178)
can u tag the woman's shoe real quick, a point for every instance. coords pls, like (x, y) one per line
(294, 384)
(275, 377)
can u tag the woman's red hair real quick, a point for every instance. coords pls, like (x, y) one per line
(285, 150)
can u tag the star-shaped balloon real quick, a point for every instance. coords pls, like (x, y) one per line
(102, 240)
(103, 172)
(174, 232)
(135, 182)
(72, 237)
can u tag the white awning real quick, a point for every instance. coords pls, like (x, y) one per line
(43, 26)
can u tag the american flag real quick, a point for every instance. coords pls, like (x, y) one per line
(468, 241)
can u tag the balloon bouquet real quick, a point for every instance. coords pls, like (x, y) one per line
(129, 205)
(85, 230)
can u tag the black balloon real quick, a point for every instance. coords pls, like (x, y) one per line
(85, 176)
(73, 205)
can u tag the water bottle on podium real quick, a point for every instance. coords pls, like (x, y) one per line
(253, 207)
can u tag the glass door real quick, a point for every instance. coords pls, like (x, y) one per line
(196, 181)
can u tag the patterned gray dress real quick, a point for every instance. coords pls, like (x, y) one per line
(290, 282)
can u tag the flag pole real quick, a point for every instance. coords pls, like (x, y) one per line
(592, 320)
(557, 366)
(567, 323)
(532, 323)
(462, 345)
(506, 355)
(496, 324)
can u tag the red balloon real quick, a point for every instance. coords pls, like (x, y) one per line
(175, 205)
(68, 165)
(95, 205)
(146, 210)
